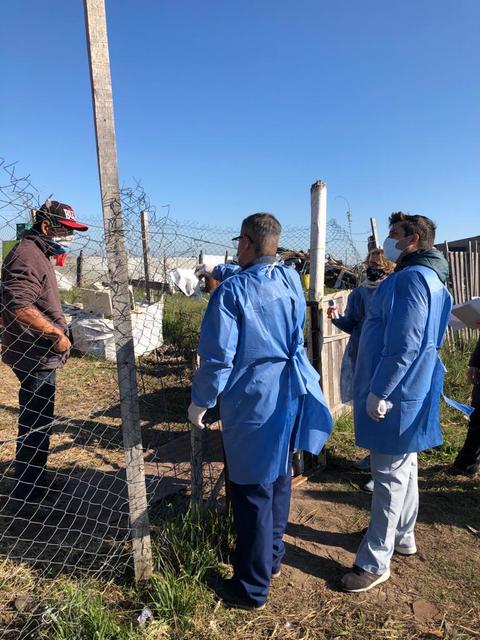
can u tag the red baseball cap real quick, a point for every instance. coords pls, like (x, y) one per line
(59, 213)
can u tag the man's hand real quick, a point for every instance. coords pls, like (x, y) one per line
(473, 375)
(195, 415)
(61, 344)
(376, 407)
(32, 317)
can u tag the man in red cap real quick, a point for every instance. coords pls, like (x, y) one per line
(35, 341)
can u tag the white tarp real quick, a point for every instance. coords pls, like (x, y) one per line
(64, 283)
(186, 281)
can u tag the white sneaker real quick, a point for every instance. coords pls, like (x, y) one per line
(406, 551)
(368, 486)
(358, 580)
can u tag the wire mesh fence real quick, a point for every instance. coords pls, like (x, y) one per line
(64, 499)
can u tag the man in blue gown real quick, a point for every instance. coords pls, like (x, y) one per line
(396, 391)
(253, 360)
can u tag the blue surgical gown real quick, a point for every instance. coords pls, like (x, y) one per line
(351, 322)
(252, 356)
(398, 360)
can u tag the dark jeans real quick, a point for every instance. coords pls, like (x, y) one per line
(36, 400)
(260, 514)
(469, 457)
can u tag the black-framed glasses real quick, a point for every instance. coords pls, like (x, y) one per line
(237, 239)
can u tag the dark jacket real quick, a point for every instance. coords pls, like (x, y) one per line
(28, 280)
(475, 357)
(431, 258)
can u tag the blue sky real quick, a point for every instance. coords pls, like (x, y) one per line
(225, 107)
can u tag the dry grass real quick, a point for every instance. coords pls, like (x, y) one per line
(327, 513)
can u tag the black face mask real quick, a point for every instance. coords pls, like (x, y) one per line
(374, 273)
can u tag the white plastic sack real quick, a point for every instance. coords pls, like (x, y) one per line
(95, 336)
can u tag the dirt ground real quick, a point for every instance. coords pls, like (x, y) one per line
(88, 526)
(433, 594)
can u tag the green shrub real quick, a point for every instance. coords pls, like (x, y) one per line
(182, 318)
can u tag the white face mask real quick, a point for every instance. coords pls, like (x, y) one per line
(64, 241)
(390, 249)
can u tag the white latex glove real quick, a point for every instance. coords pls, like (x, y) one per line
(376, 407)
(195, 415)
(204, 269)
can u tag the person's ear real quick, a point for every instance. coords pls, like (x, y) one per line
(415, 238)
(44, 227)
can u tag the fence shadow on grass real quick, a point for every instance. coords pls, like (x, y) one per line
(81, 526)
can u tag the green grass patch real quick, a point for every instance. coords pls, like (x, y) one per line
(187, 550)
(71, 297)
(82, 612)
(182, 318)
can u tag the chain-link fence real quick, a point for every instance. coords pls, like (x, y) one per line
(64, 499)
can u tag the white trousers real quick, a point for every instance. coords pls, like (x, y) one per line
(394, 511)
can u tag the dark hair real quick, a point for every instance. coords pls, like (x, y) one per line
(264, 231)
(423, 226)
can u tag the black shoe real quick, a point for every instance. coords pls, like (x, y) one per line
(359, 580)
(228, 592)
(469, 471)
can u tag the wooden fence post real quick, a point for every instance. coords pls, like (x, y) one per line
(196, 460)
(80, 268)
(196, 448)
(97, 45)
(146, 254)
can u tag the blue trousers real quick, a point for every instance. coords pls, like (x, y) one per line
(36, 401)
(260, 515)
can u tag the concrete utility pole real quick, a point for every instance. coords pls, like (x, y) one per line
(318, 239)
(97, 44)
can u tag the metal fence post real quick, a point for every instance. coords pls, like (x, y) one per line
(117, 258)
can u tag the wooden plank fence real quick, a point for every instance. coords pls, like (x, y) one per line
(464, 285)
(334, 345)
(464, 282)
